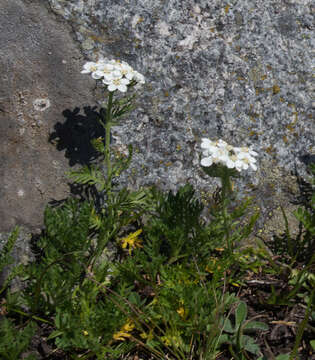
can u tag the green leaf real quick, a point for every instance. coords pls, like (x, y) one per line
(89, 175)
(312, 342)
(240, 314)
(5, 253)
(134, 299)
(31, 357)
(224, 339)
(228, 326)
(98, 144)
(283, 357)
(14, 340)
(55, 334)
(218, 170)
(249, 344)
(256, 325)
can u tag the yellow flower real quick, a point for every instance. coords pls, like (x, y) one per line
(181, 312)
(173, 340)
(120, 335)
(131, 241)
(219, 249)
(129, 326)
(85, 333)
(148, 336)
(165, 340)
(123, 334)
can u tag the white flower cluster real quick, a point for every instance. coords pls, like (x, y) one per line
(117, 75)
(220, 152)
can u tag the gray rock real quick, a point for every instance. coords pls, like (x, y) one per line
(40, 78)
(240, 71)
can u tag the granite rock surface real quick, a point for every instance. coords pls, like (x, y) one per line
(240, 70)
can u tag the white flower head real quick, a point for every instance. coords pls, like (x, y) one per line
(207, 161)
(118, 83)
(220, 152)
(139, 78)
(205, 143)
(116, 74)
(126, 70)
(104, 70)
(89, 67)
(245, 150)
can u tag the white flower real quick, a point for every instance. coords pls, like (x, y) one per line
(220, 152)
(208, 147)
(205, 143)
(116, 74)
(117, 84)
(245, 150)
(102, 61)
(114, 62)
(103, 70)
(247, 160)
(206, 161)
(139, 78)
(89, 67)
(231, 162)
(235, 163)
(126, 70)
(222, 143)
(246, 156)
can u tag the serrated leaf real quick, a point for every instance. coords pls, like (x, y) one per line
(95, 220)
(5, 253)
(98, 144)
(88, 175)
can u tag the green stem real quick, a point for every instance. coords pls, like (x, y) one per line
(108, 124)
(226, 190)
(32, 316)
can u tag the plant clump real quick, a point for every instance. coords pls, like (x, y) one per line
(124, 274)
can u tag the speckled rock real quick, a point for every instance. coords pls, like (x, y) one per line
(237, 70)
(39, 80)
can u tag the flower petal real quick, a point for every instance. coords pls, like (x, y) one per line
(206, 162)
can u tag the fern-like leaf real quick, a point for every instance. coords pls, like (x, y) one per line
(5, 254)
(88, 175)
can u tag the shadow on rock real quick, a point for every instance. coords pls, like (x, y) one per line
(82, 193)
(75, 135)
